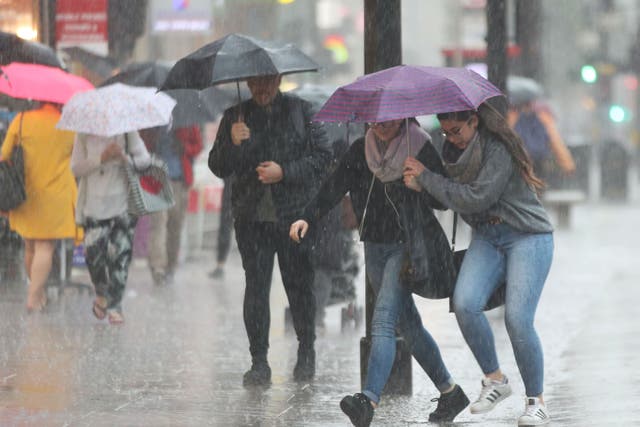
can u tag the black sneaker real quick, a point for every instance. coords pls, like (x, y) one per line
(159, 278)
(358, 408)
(258, 375)
(218, 273)
(449, 405)
(305, 368)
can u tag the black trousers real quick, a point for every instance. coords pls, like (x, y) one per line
(258, 243)
(226, 222)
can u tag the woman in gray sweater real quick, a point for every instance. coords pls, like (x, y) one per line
(491, 184)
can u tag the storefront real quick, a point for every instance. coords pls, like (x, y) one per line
(21, 17)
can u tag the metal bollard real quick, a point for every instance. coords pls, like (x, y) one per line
(400, 379)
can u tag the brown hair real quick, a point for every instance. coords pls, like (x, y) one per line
(490, 120)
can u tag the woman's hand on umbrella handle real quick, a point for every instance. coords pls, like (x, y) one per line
(112, 152)
(239, 132)
(298, 230)
(413, 167)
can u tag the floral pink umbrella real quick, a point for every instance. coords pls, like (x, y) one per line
(115, 109)
(40, 83)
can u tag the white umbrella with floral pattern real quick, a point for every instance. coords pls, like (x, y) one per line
(116, 109)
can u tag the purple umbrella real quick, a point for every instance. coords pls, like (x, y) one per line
(407, 91)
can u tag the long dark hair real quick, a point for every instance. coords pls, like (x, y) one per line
(490, 120)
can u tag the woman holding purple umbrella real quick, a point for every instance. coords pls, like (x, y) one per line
(493, 187)
(371, 172)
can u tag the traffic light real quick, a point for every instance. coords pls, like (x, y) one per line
(618, 114)
(589, 73)
(336, 44)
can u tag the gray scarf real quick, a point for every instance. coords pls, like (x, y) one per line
(467, 167)
(388, 164)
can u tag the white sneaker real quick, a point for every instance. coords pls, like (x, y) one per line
(535, 413)
(492, 393)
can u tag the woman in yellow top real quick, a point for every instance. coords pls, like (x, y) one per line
(48, 212)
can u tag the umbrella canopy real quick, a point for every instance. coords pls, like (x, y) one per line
(40, 83)
(15, 49)
(407, 91)
(522, 90)
(116, 109)
(103, 66)
(317, 95)
(196, 107)
(236, 57)
(192, 106)
(149, 74)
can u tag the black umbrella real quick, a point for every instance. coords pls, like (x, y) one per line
(192, 107)
(337, 132)
(197, 107)
(151, 74)
(103, 66)
(15, 49)
(233, 58)
(523, 89)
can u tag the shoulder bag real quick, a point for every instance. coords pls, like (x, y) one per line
(149, 188)
(12, 191)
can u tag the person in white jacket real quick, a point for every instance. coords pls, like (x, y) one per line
(102, 210)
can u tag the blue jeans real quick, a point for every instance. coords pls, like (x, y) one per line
(395, 308)
(497, 252)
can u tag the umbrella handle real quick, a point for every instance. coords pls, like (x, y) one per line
(347, 136)
(406, 131)
(240, 115)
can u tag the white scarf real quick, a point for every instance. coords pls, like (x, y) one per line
(388, 164)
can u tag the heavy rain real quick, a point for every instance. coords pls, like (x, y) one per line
(137, 289)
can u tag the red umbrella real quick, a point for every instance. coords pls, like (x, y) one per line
(40, 82)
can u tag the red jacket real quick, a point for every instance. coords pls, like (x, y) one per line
(191, 146)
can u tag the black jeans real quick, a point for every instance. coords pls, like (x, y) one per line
(258, 242)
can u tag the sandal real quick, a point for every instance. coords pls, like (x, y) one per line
(38, 307)
(115, 317)
(99, 311)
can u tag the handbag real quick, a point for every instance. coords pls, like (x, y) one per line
(12, 191)
(498, 297)
(427, 267)
(149, 188)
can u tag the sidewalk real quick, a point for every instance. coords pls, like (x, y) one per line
(179, 358)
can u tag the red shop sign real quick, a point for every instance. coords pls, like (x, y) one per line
(81, 21)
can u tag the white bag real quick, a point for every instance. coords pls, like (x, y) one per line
(149, 188)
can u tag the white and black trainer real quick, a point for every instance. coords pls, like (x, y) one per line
(535, 413)
(491, 394)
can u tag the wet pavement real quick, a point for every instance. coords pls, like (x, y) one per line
(179, 358)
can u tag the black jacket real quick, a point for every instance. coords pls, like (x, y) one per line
(283, 133)
(382, 221)
(394, 214)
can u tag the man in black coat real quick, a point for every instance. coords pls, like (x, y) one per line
(278, 158)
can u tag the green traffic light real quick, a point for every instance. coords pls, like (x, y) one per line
(617, 114)
(589, 74)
